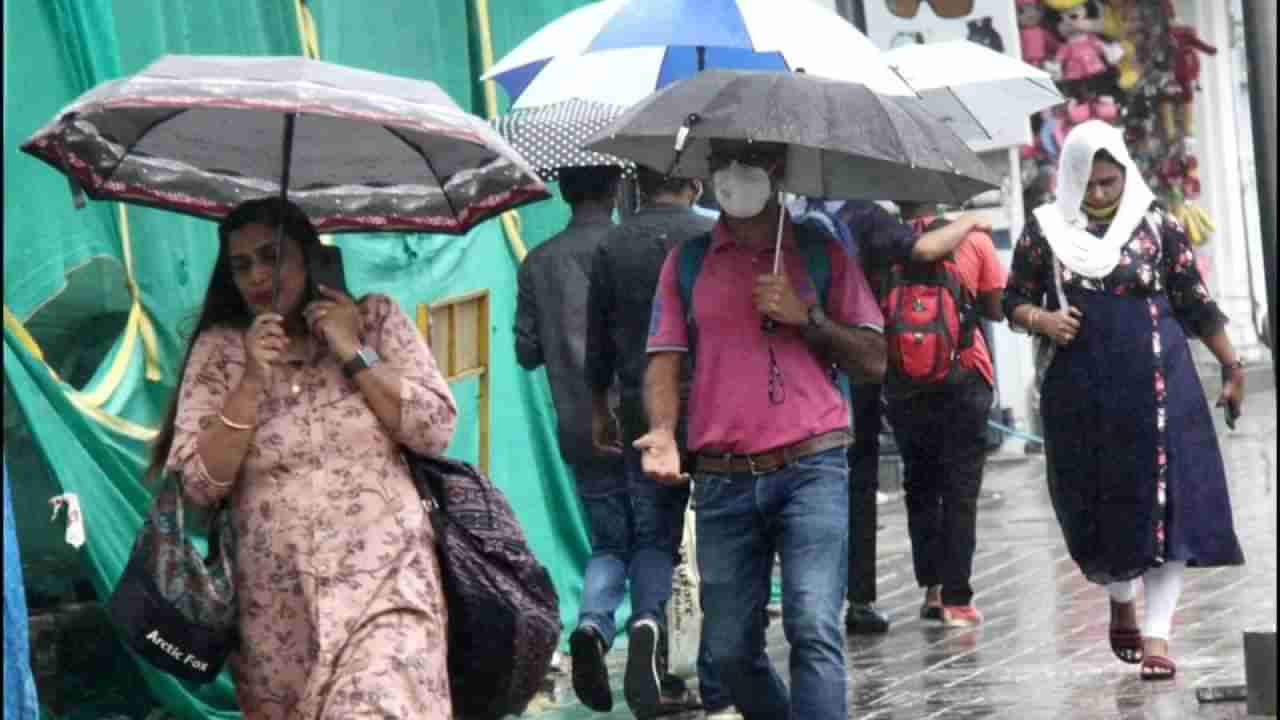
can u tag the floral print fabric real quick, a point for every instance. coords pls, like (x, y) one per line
(1151, 263)
(341, 612)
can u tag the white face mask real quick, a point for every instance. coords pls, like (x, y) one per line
(742, 190)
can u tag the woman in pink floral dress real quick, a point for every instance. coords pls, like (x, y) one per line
(296, 420)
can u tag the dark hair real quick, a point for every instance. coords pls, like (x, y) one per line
(223, 305)
(1105, 156)
(596, 183)
(653, 182)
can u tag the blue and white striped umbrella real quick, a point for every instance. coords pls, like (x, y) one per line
(619, 51)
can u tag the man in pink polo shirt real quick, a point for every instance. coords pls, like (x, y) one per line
(767, 428)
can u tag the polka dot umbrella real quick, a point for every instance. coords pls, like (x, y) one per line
(550, 137)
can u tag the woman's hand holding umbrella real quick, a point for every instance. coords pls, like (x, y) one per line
(264, 343)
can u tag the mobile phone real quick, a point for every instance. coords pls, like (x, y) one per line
(1222, 693)
(324, 267)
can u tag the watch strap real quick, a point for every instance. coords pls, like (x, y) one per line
(364, 359)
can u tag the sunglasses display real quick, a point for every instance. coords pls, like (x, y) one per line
(942, 8)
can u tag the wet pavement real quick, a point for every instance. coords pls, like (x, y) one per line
(1043, 650)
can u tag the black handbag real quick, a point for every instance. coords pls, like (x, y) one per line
(174, 608)
(504, 613)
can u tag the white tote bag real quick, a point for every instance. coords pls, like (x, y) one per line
(684, 610)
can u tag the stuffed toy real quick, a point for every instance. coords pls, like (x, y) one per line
(1081, 64)
(1185, 79)
(1120, 23)
(1038, 42)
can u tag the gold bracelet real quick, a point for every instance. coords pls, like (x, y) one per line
(233, 425)
(217, 484)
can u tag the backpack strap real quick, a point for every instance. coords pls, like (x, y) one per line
(814, 243)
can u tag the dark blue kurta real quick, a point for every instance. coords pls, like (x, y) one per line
(1135, 471)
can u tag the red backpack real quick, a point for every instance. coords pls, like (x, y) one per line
(929, 318)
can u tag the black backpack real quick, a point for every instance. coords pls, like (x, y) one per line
(504, 613)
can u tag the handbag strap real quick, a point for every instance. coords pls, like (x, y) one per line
(214, 536)
(1057, 282)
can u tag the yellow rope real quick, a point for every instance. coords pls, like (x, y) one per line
(307, 35)
(94, 412)
(510, 219)
(15, 326)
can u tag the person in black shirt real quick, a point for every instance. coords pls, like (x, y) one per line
(879, 239)
(550, 330)
(624, 277)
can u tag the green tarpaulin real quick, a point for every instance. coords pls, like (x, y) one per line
(67, 291)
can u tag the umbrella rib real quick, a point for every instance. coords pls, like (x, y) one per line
(430, 166)
(983, 128)
(128, 149)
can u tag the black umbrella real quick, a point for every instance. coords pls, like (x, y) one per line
(844, 140)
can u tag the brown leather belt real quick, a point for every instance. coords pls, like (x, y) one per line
(776, 459)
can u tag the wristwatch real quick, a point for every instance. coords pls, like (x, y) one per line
(817, 316)
(364, 359)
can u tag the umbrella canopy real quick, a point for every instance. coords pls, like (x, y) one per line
(551, 136)
(356, 150)
(618, 51)
(983, 95)
(844, 141)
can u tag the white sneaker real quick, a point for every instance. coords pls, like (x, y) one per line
(725, 713)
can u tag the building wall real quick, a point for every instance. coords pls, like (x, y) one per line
(1225, 148)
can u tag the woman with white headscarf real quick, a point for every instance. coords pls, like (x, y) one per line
(1135, 472)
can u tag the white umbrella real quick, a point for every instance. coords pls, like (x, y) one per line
(984, 96)
(619, 51)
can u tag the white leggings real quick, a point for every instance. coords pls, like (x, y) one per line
(1161, 586)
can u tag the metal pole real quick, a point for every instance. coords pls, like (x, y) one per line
(1260, 48)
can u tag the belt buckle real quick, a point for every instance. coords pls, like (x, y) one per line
(751, 466)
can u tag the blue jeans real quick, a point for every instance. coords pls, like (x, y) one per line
(635, 535)
(799, 512)
(19, 689)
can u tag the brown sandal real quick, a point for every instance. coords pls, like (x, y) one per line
(1126, 643)
(1158, 667)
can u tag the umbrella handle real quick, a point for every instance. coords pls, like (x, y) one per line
(768, 325)
(287, 152)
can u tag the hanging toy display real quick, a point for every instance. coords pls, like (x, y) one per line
(1129, 63)
(1038, 42)
(1082, 63)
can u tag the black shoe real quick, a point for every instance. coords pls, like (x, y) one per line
(863, 619)
(590, 676)
(642, 684)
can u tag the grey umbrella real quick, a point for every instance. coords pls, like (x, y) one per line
(844, 140)
(358, 151)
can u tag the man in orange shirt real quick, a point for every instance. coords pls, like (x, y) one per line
(940, 431)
